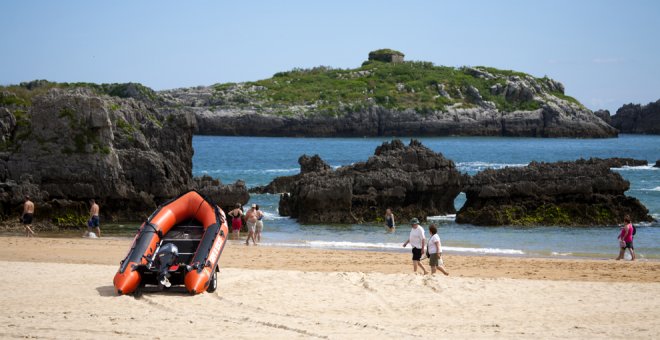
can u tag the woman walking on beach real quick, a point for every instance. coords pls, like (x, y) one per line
(260, 223)
(389, 220)
(236, 220)
(626, 239)
(435, 251)
(416, 240)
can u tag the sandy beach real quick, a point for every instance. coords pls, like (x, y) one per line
(62, 288)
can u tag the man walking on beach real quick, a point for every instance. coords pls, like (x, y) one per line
(416, 240)
(26, 218)
(252, 217)
(93, 223)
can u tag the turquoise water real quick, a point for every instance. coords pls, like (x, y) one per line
(258, 160)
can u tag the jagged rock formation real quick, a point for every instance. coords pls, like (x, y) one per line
(412, 180)
(580, 193)
(617, 162)
(64, 144)
(285, 183)
(657, 163)
(225, 196)
(635, 118)
(389, 99)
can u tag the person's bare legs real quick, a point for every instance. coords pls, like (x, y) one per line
(28, 231)
(250, 235)
(443, 270)
(632, 254)
(622, 251)
(98, 231)
(432, 270)
(417, 263)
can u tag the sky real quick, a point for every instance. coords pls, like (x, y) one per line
(606, 53)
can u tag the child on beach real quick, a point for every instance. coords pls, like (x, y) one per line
(626, 239)
(435, 251)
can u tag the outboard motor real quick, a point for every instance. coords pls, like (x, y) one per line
(166, 257)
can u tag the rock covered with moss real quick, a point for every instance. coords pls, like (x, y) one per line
(579, 193)
(65, 143)
(412, 180)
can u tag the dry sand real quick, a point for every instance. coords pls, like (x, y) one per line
(62, 288)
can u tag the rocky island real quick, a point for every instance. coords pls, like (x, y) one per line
(412, 180)
(63, 144)
(579, 193)
(388, 96)
(638, 119)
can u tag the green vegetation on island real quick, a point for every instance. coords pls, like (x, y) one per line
(420, 86)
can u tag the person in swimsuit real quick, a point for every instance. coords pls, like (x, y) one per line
(236, 221)
(626, 239)
(93, 222)
(389, 220)
(260, 223)
(251, 218)
(26, 218)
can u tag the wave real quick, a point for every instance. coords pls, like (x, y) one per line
(554, 253)
(368, 245)
(450, 218)
(478, 166)
(269, 216)
(636, 168)
(649, 189)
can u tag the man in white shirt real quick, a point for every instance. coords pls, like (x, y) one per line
(416, 240)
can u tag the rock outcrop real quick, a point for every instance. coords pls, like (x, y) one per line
(604, 115)
(657, 163)
(617, 162)
(412, 180)
(285, 183)
(225, 196)
(63, 145)
(638, 119)
(580, 193)
(374, 101)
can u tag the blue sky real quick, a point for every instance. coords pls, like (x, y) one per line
(605, 52)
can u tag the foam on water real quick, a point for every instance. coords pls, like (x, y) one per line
(636, 168)
(650, 189)
(450, 217)
(385, 245)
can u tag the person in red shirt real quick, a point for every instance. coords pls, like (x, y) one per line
(626, 239)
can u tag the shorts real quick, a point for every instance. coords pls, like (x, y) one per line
(27, 219)
(629, 245)
(260, 226)
(236, 224)
(251, 226)
(417, 254)
(435, 260)
(93, 222)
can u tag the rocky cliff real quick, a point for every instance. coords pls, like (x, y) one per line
(391, 99)
(66, 143)
(584, 192)
(412, 180)
(635, 118)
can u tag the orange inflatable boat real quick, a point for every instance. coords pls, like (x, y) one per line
(180, 244)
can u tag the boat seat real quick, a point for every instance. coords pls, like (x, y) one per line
(186, 238)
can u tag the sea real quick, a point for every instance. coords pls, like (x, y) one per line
(258, 160)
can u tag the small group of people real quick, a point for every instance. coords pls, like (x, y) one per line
(417, 241)
(93, 224)
(254, 222)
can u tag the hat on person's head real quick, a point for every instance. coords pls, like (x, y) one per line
(414, 220)
(254, 205)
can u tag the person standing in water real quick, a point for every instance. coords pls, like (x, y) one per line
(26, 218)
(260, 223)
(435, 251)
(416, 240)
(236, 220)
(626, 239)
(389, 220)
(94, 222)
(251, 217)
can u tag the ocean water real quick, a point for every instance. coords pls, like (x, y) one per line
(257, 160)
